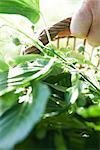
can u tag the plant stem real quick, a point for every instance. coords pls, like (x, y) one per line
(91, 54)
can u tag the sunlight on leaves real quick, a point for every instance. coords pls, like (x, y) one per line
(18, 121)
(27, 8)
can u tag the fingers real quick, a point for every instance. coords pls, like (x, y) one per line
(86, 22)
(81, 22)
(94, 34)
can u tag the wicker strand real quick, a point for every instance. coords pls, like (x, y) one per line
(59, 30)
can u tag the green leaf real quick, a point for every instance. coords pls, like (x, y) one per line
(92, 111)
(79, 57)
(63, 120)
(27, 8)
(59, 78)
(22, 75)
(7, 101)
(81, 101)
(26, 58)
(16, 41)
(58, 87)
(59, 141)
(93, 126)
(17, 122)
(81, 49)
(72, 94)
(3, 65)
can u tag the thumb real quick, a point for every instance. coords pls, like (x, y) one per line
(81, 21)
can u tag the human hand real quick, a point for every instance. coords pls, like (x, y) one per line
(86, 22)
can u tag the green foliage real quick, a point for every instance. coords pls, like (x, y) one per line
(92, 111)
(16, 41)
(21, 118)
(72, 106)
(47, 101)
(27, 8)
(3, 65)
(72, 95)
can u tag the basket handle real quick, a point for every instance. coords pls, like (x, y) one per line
(57, 31)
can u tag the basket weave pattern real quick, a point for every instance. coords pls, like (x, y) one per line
(57, 31)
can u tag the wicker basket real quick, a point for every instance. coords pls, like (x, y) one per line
(57, 31)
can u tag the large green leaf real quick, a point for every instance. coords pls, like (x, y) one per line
(27, 8)
(21, 75)
(3, 65)
(7, 101)
(92, 111)
(17, 122)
